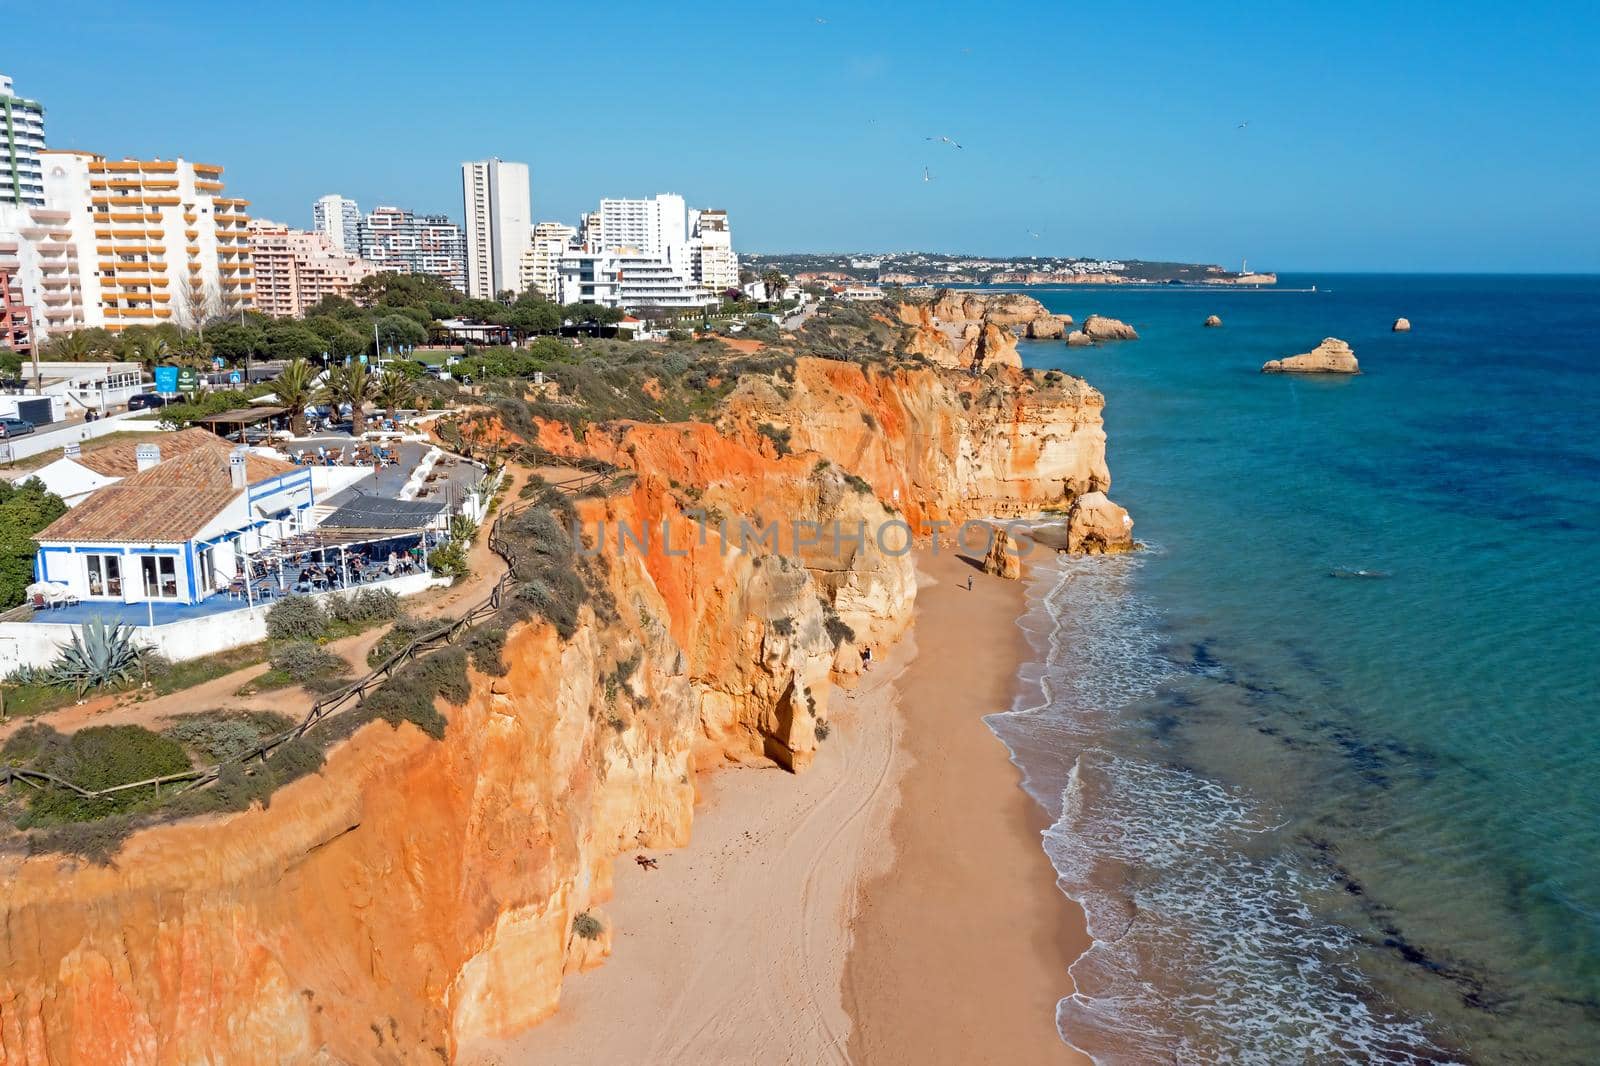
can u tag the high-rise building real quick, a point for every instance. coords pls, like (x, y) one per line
(21, 141)
(656, 227)
(297, 268)
(499, 218)
(50, 250)
(541, 264)
(340, 219)
(712, 261)
(649, 253)
(406, 243)
(170, 246)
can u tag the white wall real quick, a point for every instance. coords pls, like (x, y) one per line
(37, 643)
(41, 442)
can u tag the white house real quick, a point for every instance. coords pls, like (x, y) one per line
(174, 530)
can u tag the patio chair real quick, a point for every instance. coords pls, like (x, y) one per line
(40, 603)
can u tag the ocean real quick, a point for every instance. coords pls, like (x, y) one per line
(1323, 759)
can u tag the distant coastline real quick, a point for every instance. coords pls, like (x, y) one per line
(945, 270)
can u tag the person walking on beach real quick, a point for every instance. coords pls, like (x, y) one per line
(969, 582)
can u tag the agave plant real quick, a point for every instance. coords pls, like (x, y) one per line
(98, 656)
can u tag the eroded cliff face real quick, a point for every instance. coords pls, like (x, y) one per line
(419, 894)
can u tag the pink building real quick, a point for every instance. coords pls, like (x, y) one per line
(296, 268)
(16, 321)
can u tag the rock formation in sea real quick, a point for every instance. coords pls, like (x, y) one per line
(416, 893)
(1096, 526)
(1213, 322)
(1101, 328)
(1401, 325)
(1332, 356)
(1079, 339)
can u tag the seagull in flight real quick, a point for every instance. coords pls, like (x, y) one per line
(822, 21)
(1032, 234)
(1242, 125)
(943, 140)
(925, 175)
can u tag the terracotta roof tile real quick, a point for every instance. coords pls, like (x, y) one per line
(119, 459)
(170, 502)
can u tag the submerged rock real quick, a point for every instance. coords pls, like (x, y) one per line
(1332, 356)
(1101, 328)
(1212, 322)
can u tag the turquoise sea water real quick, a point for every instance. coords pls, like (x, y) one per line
(1317, 817)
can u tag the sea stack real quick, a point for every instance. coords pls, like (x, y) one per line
(1101, 328)
(1402, 325)
(1332, 356)
(1004, 558)
(1212, 322)
(1096, 526)
(1078, 339)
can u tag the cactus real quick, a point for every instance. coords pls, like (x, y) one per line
(99, 655)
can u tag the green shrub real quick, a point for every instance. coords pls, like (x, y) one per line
(364, 605)
(486, 647)
(100, 757)
(406, 629)
(296, 617)
(823, 729)
(587, 926)
(409, 694)
(305, 660)
(778, 437)
(860, 484)
(216, 736)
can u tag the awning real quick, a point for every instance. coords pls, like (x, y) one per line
(241, 416)
(383, 513)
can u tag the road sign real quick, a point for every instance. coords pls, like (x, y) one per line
(234, 378)
(188, 379)
(167, 379)
(216, 361)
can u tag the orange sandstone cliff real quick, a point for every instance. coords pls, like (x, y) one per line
(418, 894)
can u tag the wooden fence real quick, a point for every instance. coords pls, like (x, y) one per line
(351, 695)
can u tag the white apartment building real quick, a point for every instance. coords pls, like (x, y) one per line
(658, 226)
(499, 220)
(124, 242)
(340, 219)
(712, 261)
(297, 268)
(169, 246)
(21, 141)
(628, 278)
(50, 252)
(397, 240)
(541, 264)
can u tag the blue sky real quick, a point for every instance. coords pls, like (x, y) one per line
(1438, 137)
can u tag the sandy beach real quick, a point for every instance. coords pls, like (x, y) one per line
(891, 905)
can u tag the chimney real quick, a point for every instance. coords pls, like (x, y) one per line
(146, 456)
(236, 467)
(71, 451)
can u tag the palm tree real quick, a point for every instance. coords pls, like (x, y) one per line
(150, 349)
(295, 393)
(351, 385)
(393, 391)
(71, 347)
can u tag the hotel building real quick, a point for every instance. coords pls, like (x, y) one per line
(541, 264)
(297, 268)
(169, 246)
(499, 216)
(340, 219)
(712, 261)
(394, 239)
(21, 141)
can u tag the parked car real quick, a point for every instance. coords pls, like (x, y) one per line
(146, 400)
(15, 427)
